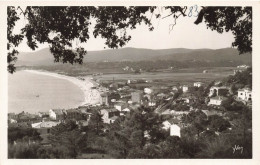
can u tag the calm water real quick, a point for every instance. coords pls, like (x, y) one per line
(33, 93)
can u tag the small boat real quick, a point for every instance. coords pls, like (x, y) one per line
(37, 95)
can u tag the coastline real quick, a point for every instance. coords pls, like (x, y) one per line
(91, 96)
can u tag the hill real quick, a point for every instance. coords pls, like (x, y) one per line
(44, 57)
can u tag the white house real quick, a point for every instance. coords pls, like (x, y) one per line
(244, 94)
(148, 90)
(166, 125)
(218, 90)
(216, 100)
(45, 124)
(120, 106)
(109, 115)
(175, 130)
(44, 127)
(185, 88)
(174, 88)
(56, 114)
(197, 84)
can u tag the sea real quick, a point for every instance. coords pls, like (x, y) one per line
(33, 93)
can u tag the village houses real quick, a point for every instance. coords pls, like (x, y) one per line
(173, 126)
(244, 94)
(56, 114)
(217, 100)
(219, 91)
(109, 115)
(137, 96)
(197, 84)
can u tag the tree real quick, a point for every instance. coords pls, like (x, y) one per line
(23, 134)
(230, 104)
(96, 122)
(61, 26)
(197, 119)
(129, 135)
(217, 123)
(69, 136)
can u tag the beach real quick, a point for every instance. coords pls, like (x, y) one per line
(91, 96)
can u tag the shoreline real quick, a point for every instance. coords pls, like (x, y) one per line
(91, 96)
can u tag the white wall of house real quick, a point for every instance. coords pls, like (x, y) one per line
(166, 125)
(197, 84)
(148, 90)
(245, 95)
(52, 114)
(105, 116)
(118, 107)
(215, 102)
(185, 89)
(175, 130)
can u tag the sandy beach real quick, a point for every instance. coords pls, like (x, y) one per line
(91, 95)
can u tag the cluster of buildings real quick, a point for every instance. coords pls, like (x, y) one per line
(119, 98)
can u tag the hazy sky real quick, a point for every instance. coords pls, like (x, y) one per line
(185, 34)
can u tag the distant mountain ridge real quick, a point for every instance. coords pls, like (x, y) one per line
(44, 56)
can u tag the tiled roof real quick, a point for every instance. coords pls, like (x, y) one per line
(46, 124)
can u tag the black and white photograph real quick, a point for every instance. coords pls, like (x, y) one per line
(129, 81)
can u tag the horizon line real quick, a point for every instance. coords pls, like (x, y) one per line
(135, 48)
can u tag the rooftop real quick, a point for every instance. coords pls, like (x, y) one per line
(57, 111)
(46, 124)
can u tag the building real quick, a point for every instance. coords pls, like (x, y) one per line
(137, 97)
(27, 117)
(104, 99)
(43, 114)
(167, 112)
(44, 127)
(244, 94)
(175, 130)
(243, 66)
(211, 113)
(74, 114)
(197, 84)
(108, 114)
(56, 114)
(175, 88)
(148, 90)
(185, 88)
(216, 100)
(172, 125)
(113, 119)
(219, 91)
(120, 106)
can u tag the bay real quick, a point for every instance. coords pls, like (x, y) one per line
(34, 93)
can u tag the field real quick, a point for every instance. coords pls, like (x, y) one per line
(184, 76)
(166, 77)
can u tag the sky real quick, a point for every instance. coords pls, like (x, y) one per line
(185, 34)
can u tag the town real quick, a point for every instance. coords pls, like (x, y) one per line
(199, 111)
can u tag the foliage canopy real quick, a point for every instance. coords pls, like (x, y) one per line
(60, 27)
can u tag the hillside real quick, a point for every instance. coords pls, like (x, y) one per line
(44, 57)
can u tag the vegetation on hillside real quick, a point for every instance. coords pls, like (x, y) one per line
(53, 25)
